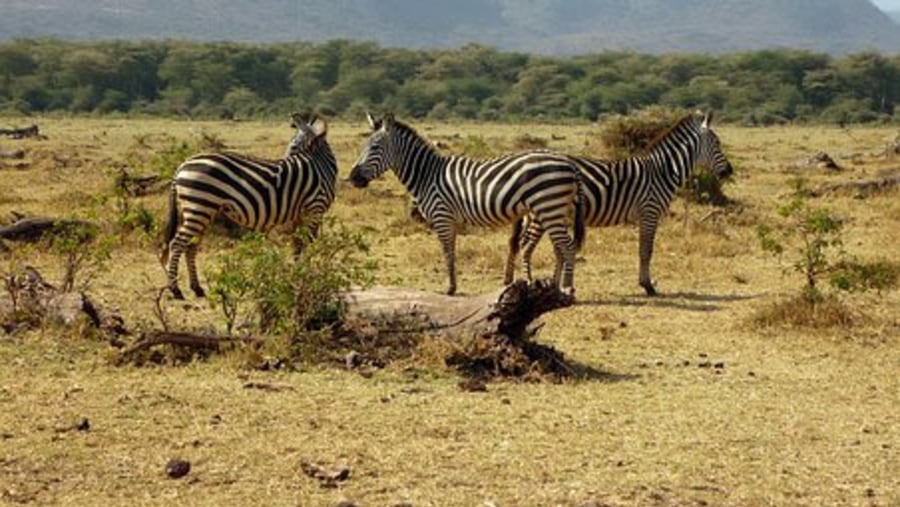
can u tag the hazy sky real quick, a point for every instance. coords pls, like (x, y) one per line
(888, 4)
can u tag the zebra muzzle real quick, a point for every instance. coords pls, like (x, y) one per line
(358, 177)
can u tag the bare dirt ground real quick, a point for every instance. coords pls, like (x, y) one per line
(694, 405)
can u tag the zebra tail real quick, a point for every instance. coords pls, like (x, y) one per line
(171, 227)
(579, 227)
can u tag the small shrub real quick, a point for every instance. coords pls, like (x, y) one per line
(626, 136)
(130, 216)
(83, 250)
(860, 276)
(283, 294)
(811, 239)
(812, 234)
(820, 311)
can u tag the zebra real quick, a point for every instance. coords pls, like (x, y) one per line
(639, 187)
(450, 190)
(256, 194)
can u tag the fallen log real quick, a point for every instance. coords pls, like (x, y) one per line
(21, 133)
(491, 334)
(507, 312)
(33, 229)
(861, 189)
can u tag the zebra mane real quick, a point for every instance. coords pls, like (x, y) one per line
(652, 145)
(410, 132)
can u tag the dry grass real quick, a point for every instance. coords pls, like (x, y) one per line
(694, 405)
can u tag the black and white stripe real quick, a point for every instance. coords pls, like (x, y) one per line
(453, 190)
(638, 188)
(256, 194)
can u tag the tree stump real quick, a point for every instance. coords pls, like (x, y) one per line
(30, 301)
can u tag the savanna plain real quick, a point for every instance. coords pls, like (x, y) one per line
(696, 403)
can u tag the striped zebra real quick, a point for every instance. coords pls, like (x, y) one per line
(256, 194)
(638, 188)
(452, 190)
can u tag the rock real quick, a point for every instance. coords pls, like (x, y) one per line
(177, 468)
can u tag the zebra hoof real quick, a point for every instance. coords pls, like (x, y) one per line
(199, 292)
(451, 291)
(176, 293)
(650, 290)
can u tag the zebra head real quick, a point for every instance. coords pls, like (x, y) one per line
(373, 160)
(309, 129)
(709, 150)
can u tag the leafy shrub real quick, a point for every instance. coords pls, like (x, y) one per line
(811, 238)
(83, 250)
(857, 276)
(812, 234)
(288, 295)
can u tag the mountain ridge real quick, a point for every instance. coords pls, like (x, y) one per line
(557, 27)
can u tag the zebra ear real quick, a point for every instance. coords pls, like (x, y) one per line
(373, 123)
(707, 120)
(319, 126)
(388, 120)
(296, 121)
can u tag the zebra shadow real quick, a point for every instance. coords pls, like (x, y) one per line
(689, 301)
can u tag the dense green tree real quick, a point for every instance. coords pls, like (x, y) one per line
(343, 77)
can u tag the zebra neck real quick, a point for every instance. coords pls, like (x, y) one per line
(674, 157)
(418, 167)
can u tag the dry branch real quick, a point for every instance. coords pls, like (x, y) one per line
(137, 186)
(182, 339)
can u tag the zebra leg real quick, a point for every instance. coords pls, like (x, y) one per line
(175, 251)
(564, 248)
(446, 233)
(647, 235)
(190, 256)
(515, 241)
(532, 237)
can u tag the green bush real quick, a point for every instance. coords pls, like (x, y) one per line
(278, 293)
(812, 236)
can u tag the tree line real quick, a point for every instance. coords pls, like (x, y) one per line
(347, 78)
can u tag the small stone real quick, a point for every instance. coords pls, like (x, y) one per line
(177, 468)
(83, 424)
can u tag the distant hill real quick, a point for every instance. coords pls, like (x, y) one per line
(539, 26)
